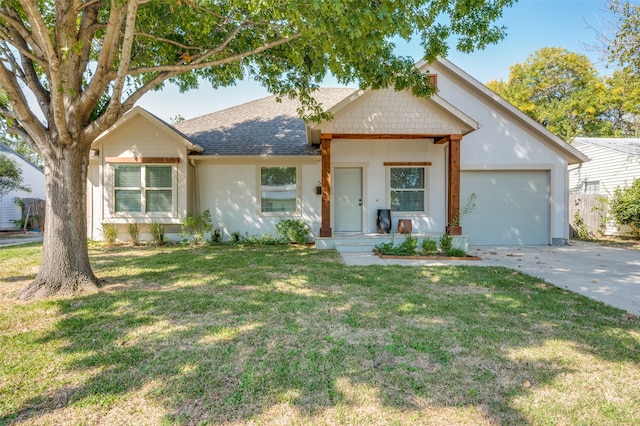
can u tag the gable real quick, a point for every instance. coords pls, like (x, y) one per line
(140, 134)
(389, 112)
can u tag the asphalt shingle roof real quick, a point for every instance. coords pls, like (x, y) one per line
(263, 127)
(630, 146)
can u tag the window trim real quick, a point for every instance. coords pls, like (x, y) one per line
(298, 209)
(399, 165)
(160, 215)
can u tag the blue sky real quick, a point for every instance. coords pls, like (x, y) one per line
(531, 25)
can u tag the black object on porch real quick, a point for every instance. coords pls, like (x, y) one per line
(383, 222)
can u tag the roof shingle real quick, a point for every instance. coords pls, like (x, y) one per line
(263, 127)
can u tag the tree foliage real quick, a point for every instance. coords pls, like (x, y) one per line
(563, 91)
(87, 62)
(625, 206)
(623, 47)
(10, 176)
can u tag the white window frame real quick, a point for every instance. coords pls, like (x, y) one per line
(424, 189)
(297, 185)
(143, 188)
(589, 185)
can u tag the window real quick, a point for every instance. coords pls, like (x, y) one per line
(278, 189)
(407, 185)
(143, 188)
(592, 187)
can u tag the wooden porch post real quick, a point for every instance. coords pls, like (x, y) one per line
(325, 228)
(453, 186)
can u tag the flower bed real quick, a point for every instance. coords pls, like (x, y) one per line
(425, 257)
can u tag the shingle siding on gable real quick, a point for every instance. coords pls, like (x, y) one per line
(388, 111)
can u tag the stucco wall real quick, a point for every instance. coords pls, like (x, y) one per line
(137, 137)
(504, 142)
(229, 189)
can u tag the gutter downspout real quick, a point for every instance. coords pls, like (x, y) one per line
(196, 185)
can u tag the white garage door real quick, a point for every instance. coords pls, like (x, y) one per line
(512, 207)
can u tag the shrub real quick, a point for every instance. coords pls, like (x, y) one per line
(429, 246)
(455, 252)
(293, 231)
(264, 240)
(625, 206)
(216, 237)
(196, 225)
(236, 237)
(409, 246)
(157, 233)
(446, 243)
(110, 233)
(134, 233)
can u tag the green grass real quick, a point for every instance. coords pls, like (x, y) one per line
(289, 335)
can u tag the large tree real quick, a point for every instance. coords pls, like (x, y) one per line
(621, 39)
(86, 62)
(558, 88)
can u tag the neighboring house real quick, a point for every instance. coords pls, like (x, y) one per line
(32, 178)
(257, 163)
(614, 162)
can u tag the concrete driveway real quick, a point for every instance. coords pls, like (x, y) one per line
(610, 275)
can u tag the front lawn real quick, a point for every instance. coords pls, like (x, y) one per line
(289, 335)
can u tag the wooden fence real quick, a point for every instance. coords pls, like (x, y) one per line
(588, 215)
(33, 213)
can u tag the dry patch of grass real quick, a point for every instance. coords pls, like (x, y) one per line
(289, 335)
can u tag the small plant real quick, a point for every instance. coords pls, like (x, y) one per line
(446, 243)
(236, 238)
(196, 225)
(409, 246)
(385, 248)
(465, 210)
(455, 252)
(264, 240)
(429, 246)
(110, 233)
(134, 233)
(581, 230)
(216, 237)
(293, 230)
(157, 233)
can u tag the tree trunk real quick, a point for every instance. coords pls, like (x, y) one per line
(65, 267)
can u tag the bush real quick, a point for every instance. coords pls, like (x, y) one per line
(196, 225)
(216, 237)
(263, 240)
(625, 207)
(110, 233)
(293, 231)
(236, 237)
(429, 246)
(409, 246)
(446, 243)
(455, 252)
(157, 234)
(134, 233)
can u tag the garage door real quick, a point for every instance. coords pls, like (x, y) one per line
(512, 207)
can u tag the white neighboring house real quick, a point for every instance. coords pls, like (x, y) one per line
(615, 162)
(257, 163)
(32, 177)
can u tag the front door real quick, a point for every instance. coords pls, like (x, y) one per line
(347, 199)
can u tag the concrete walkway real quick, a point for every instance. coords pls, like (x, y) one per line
(610, 275)
(4, 242)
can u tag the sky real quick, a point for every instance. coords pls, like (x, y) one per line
(531, 25)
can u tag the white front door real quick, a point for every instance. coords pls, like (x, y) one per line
(347, 186)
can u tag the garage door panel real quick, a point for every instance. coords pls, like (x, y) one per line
(512, 207)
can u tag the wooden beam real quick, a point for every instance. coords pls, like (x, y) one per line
(149, 160)
(453, 186)
(381, 136)
(407, 163)
(325, 147)
(442, 140)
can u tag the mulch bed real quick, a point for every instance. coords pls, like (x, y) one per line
(388, 256)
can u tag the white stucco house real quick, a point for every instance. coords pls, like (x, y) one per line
(256, 163)
(33, 178)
